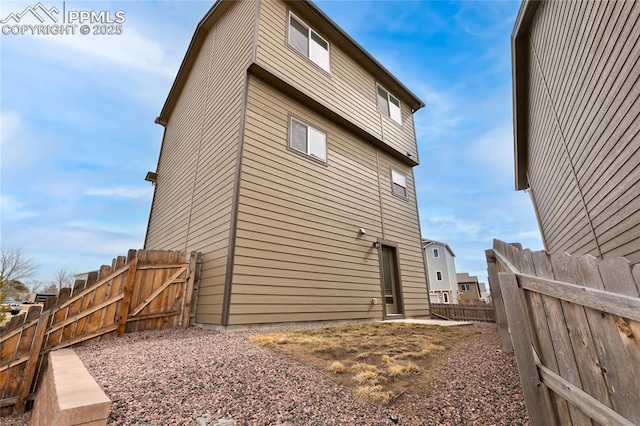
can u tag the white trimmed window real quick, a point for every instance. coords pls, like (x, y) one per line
(308, 42)
(438, 275)
(465, 287)
(308, 140)
(399, 183)
(389, 105)
(436, 252)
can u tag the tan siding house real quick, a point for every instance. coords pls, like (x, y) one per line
(287, 160)
(576, 104)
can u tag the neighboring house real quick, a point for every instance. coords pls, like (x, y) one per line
(576, 126)
(484, 296)
(469, 289)
(441, 271)
(287, 160)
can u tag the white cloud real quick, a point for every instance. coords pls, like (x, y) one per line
(12, 209)
(19, 148)
(494, 151)
(121, 192)
(131, 49)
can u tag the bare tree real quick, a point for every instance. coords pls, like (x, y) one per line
(14, 265)
(35, 286)
(62, 278)
(51, 289)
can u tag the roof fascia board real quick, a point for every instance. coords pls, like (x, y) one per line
(520, 80)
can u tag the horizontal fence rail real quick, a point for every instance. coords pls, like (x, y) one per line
(143, 291)
(484, 313)
(574, 326)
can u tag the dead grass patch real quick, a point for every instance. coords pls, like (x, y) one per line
(375, 393)
(378, 360)
(369, 376)
(336, 367)
(402, 369)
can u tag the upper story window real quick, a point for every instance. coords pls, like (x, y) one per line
(308, 140)
(436, 252)
(308, 42)
(399, 183)
(465, 287)
(389, 105)
(438, 276)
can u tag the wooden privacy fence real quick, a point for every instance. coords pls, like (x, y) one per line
(574, 325)
(144, 290)
(449, 311)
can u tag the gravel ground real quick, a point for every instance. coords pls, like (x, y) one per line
(202, 377)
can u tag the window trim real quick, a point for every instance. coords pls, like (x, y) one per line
(406, 189)
(462, 287)
(290, 147)
(380, 86)
(441, 276)
(436, 253)
(309, 28)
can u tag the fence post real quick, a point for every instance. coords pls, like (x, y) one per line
(30, 367)
(191, 277)
(498, 302)
(532, 387)
(126, 297)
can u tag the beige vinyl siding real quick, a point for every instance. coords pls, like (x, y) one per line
(552, 181)
(401, 225)
(169, 215)
(299, 255)
(297, 244)
(201, 170)
(589, 54)
(348, 89)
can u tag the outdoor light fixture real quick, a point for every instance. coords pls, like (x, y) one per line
(151, 177)
(376, 244)
(363, 231)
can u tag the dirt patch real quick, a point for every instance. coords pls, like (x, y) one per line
(380, 361)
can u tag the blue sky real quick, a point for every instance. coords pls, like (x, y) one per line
(77, 128)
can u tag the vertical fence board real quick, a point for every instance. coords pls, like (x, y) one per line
(580, 325)
(498, 302)
(577, 345)
(30, 367)
(545, 307)
(527, 262)
(612, 360)
(531, 385)
(617, 277)
(88, 300)
(562, 347)
(137, 294)
(126, 299)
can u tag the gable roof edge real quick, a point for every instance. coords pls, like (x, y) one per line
(197, 40)
(520, 81)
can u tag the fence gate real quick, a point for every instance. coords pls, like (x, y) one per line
(574, 326)
(145, 290)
